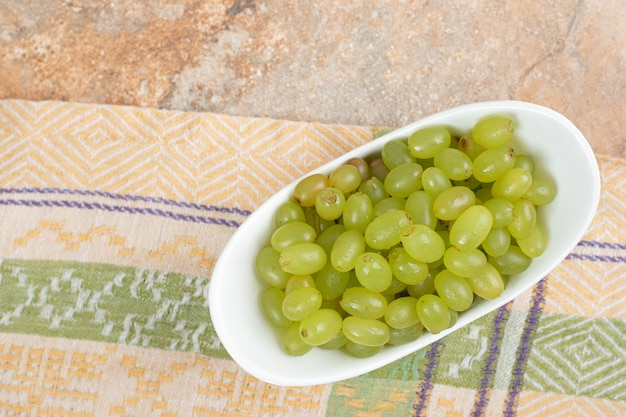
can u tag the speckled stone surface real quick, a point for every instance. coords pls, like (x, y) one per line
(380, 62)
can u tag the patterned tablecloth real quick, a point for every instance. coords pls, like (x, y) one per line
(113, 217)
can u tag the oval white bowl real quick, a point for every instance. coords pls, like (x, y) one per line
(560, 152)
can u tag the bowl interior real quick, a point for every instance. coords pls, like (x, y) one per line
(561, 153)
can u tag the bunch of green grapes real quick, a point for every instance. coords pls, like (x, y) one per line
(383, 249)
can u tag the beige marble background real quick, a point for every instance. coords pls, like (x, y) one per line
(378, 62)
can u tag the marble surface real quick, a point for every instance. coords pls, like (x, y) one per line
(381, 62)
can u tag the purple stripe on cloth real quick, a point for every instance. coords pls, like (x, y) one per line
(597, 258)
(426, 385)
(602, 245)
(120, 209)
(522, 354)
(125, 197)
(494, 351)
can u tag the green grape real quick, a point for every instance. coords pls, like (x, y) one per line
(362, 165)
(388, 204)
(471, 183)
(497, 241)
(425, 287)
(289, 211)
(405, 335)
(501, 210)
(492, 163)
(524, 219)
(512, 262)
(427, 142)
(493, 131)
(346, 178)
(488, 284)
(512, 185)
(299, 281)
(292, 343)
(455, 164)
(307, 188)
(404, 179)
(464, 263)
(450, 203)
(367, 332)
(330, 282)
(406, 269)
(374, 189)
(454, 290)
(302, 258)
(338, 341)
(541, 192)
(346, 250)
(483, 193)
(301, 303)
(396, 152)
(454, 316)
(471, 228)
(361, 302)
(402, 313)
(384, 231)
(422, 243)
(358, 212)
(268, 267)
(373, 271)
(468, 146)
(534, 244)
(433, 313)
(320, 327)
(396, 287)
(525, 162)
(420, 207)
(378, 169)
(361, 351)
(272, 306)
(327, 238)
(329, 203)
(313, 218)
(291, 233)
(434, 181)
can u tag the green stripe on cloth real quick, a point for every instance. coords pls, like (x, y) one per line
(107, 303)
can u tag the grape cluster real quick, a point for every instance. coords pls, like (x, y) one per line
(381, 249)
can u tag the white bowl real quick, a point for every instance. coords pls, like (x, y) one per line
(560, 152)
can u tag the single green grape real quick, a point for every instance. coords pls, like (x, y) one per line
(402, 313)
(470, 229)
(524, 219)
(405, 268)
(469, 146)
(301, 303)
(320, 327)
(378, 169)
(425, 287)
(514, 261)
(501, 210)
(405, 335)
(422, 243)
(454, 290)
(289, 211)
(434, 181)
(374, 189)
(338, 341)
(428, 141)
(455, 164)
(396, 152)
(327, 238)
(497, 241)
(541, 192)
(450, 203)
(388, 204)
(525, 162)
(513, 184)
(362, 165)
(420, 207)
(404, 179)
(366, 332)
(330, 282)
(299, 281)
(373, 271)
(384, 231)
(364, 303)
(292, 343)
(492, 163)
(358, 211)
(433, 313)
(488, 284)
(493, 131)
(307, 188)
(533, 244)
(361, 351)
(302, 258)
(464, 263)
(396, 287)
(291, 233)
(346, 178)
(347, 248)
(272, 306)
(329, 203)
(268, 267)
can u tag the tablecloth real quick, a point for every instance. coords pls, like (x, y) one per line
(112, 219)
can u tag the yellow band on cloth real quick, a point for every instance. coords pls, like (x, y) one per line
(113, 217)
